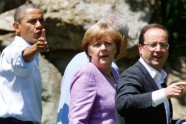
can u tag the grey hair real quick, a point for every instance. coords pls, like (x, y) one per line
(116, 21)
(20, 11)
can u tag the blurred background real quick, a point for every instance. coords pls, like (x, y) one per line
(66, 22)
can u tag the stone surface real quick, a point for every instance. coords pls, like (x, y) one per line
(51, 81)
(178, 74)
(66, 23)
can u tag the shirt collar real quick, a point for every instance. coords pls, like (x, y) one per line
(20, 40)
(157, 76)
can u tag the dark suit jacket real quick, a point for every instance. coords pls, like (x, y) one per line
(134, 98)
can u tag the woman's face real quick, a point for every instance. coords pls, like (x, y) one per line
(102, 53)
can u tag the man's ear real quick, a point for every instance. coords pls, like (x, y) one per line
(140, 47)
(16, 26)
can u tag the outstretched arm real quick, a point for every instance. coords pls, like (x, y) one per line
(40, 46)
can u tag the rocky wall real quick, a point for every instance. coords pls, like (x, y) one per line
(66, 23)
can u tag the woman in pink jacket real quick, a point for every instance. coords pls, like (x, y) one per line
(93, 86)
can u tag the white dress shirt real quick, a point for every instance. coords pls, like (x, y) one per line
(20, 84)
(158, 96)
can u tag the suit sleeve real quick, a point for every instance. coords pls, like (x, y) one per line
(132, 94)
(82, 97)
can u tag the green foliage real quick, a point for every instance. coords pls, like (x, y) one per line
(174, 18)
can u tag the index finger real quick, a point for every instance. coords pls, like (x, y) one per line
(43, 33)
(183, 84)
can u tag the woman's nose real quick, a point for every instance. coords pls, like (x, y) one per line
(103, 46)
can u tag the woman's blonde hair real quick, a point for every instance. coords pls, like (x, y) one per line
(100, 31)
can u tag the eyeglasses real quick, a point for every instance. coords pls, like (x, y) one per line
(153, 46)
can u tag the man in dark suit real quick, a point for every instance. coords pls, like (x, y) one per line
(141, 97)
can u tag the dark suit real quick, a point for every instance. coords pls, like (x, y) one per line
(134, 98)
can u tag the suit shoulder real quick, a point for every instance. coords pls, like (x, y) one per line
(131, 70)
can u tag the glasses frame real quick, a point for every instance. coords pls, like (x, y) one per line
(162, 46)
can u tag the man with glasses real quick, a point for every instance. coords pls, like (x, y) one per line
(141, 96)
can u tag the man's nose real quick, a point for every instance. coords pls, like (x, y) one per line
(158, 47)
(38, 24)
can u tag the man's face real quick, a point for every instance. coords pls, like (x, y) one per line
(154, 51)
(31, 25)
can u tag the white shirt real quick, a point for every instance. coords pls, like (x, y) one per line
(158, 96)
(20, 84)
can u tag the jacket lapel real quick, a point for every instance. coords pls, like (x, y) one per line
(151, 83)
